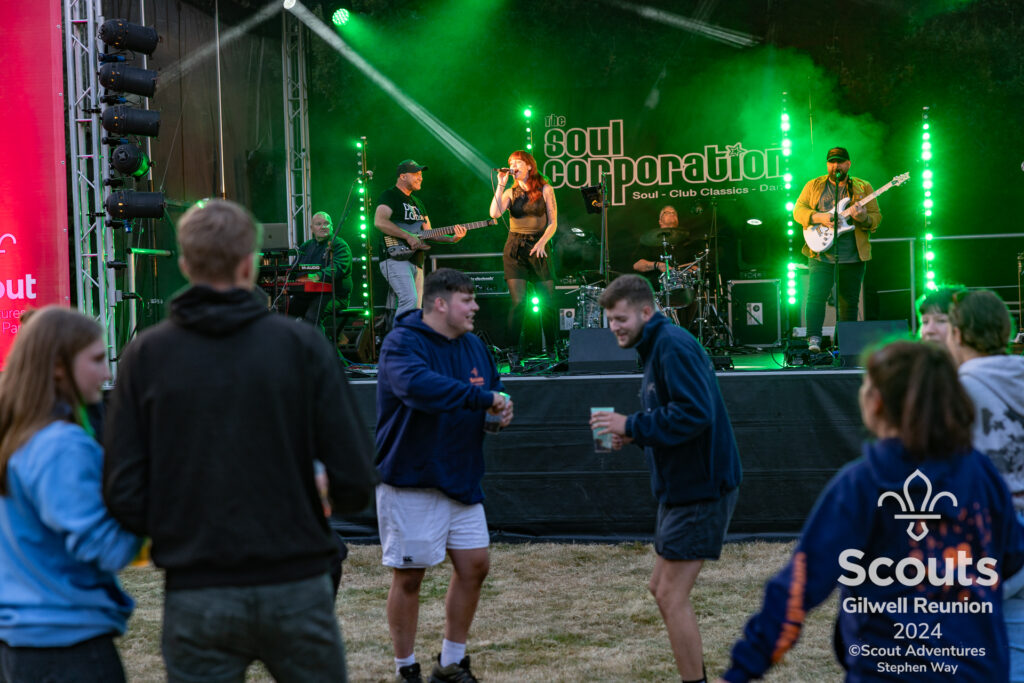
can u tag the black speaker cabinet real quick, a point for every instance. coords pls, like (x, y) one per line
(596, 351)
(855, 337)
(754, 313)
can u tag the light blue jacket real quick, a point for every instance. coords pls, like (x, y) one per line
(59, 547)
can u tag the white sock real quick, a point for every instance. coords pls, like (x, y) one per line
(452, 653)
(404, 661)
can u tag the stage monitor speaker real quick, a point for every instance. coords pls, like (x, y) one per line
(596, 351)
(855, 337)
(754, 312)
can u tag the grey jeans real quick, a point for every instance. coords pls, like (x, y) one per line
(406, 280)
(214, 634)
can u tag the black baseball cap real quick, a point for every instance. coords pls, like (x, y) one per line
(838, 154)
(410, 166)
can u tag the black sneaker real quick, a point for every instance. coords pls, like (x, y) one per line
(453, 673)
(409, 673)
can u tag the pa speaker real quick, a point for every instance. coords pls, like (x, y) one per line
(596, 351)
(855, 337)
(754, 312)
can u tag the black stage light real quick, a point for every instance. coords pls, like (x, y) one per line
(121, 34)
(123, 120)
(128, 79)
(122, 205)
(129, 160)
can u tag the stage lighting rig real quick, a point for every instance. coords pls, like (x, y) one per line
(123, 35)
(123, 118)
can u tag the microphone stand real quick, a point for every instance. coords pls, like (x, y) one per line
(835, 263)
(605, 257)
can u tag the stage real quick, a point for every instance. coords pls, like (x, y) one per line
(795, 428)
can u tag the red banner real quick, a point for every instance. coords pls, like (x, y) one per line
(33, 187)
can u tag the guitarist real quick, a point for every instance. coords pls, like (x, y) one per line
(845, 260)
(402, 216)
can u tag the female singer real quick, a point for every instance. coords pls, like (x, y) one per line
(533, 216)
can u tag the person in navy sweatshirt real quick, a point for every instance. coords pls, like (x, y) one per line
(60, 550)
(687, 438)
(919, 534)
(436, 381)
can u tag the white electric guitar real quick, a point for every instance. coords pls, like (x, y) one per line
(820, 237)
(401, 251)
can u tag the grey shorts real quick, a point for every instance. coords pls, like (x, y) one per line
(695, 531)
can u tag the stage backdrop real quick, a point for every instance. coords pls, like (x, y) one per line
(33, 187)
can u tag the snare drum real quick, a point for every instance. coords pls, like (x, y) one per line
(677, 286)
(588, 310)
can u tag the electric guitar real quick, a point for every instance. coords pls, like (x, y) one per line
(820, 237)
(400, 250)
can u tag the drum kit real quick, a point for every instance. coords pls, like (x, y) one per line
(680, 287)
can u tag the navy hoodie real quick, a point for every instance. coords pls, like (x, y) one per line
(854, 512)
(432, 393)
(683, 428)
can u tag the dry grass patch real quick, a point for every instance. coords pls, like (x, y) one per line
(549, 612)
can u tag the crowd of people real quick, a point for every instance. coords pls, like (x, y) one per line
(228, 468)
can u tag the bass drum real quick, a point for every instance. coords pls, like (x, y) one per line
(589, 313)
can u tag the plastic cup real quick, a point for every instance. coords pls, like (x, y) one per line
(603, 443)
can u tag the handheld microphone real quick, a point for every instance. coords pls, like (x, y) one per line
(502, 170)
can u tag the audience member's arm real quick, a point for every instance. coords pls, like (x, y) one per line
(126, 465)
(91, 535)
(420, 388)
(342, 441)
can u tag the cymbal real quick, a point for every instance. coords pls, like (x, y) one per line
(653, 238)
(593, 276)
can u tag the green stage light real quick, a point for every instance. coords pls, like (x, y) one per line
(359, 145)
(931, 286)
(786, 152)
(925, 126)
(788, 177)
(791, 267)
(535, 300)
(927, 174)
(362, 190)
(928, 203)
(927, 184)
(786, 143)
(529, 146)
(928, 236)
(792, 300)
(527, 113)
(789, 206)
(340, 17)
(789, 232)
(930, 275)
(926, 156)
(929, 256)
(928, 212)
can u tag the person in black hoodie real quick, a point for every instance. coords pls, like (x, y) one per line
(687, 438)
(215, 421)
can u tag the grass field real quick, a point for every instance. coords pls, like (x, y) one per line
(548, 613)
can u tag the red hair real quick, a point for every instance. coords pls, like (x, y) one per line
(535, 182)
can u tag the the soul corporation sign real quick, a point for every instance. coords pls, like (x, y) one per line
(578, 157)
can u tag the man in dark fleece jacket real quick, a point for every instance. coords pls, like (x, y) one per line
(216, 419)
(436, 380)
(685, 432)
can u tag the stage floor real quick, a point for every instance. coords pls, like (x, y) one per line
(795, 428)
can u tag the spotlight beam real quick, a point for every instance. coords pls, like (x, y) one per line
(722, 35)
(180, 69)
(458, 146)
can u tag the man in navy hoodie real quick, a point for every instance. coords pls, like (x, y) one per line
(687, 438)
(436, 381)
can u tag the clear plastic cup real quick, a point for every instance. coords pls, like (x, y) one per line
(603, 443)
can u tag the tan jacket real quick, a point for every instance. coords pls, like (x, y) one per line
(807, 205)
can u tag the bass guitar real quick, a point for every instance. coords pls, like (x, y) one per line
(819, 237)
(400, 250)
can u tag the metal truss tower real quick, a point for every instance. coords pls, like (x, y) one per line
(296, 122)
(93, 239)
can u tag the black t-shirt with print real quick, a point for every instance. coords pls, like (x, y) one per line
(408, 213)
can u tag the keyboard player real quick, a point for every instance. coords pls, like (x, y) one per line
(332, 255)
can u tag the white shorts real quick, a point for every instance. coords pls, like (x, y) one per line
(417, 526)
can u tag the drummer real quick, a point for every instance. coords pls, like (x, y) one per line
(649, 255)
